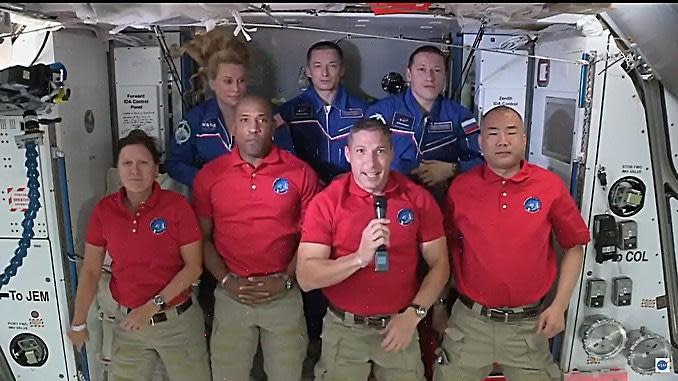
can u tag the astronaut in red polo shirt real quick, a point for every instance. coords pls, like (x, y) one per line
(250, 205)
(375, 298)
(500, 219)
(154, 241)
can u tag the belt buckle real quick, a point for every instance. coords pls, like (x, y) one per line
(490, 311)
(158, 318)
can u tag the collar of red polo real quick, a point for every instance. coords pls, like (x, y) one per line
(522, 175)
(391, 186)
(150, 202)
(272, 157)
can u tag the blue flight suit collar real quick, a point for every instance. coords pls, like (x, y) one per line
(340, 99)
(416, 109)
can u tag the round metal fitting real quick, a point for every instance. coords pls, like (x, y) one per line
(643, 348)
(603, 337)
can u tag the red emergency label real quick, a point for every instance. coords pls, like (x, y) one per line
(17, 199)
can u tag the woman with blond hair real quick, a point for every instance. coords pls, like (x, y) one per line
(207, 130)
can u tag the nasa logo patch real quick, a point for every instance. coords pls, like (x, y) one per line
(158, 225)
(281, 185)
(532, 205)
(405, 216)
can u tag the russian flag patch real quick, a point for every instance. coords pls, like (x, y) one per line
(470, 126)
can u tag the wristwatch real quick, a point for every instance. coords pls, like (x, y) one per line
(420, 310)
(159, 302)
(225, 279)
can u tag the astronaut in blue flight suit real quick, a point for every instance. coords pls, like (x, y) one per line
(204, 133)
(321, 117)
(433, 136)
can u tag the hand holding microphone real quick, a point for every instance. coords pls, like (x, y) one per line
(376, 238)
(381, 255)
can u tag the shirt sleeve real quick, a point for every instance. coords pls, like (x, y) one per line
(432, 228)
(317, 225)
(567, 222)
(202, 189)
(95, 228)
(189, 229)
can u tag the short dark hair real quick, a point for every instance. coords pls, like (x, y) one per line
(320, 45)
(256, 98)
(371, 124)
(424, 49)
(504, 109)
(137, 136)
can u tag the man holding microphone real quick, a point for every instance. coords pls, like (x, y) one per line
(367, 266)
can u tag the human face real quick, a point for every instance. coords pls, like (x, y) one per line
(427, 76)
(370, 155)
(503, 141)
(325, 69)
(253, 129)
(230, 84)
(136, 168)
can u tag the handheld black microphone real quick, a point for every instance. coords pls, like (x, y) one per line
(381, 255)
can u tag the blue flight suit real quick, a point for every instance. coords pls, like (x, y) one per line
(201, 137)
(448, 133)
(319, 136)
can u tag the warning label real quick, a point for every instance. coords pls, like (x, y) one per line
(17, 199)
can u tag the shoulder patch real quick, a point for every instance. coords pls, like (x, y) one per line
(470, 126)
(183, 132)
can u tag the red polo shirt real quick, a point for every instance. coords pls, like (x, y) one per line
(256, 211)
(337, 218)
(144, 246)
(499, 233)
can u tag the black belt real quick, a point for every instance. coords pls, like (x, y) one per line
(162, 316)
(499, 314)
(368, 321)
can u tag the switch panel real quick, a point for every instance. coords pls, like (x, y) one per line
(621, 291)
(595, 293)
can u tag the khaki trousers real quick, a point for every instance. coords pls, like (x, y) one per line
(474, 342)
(238, 327)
